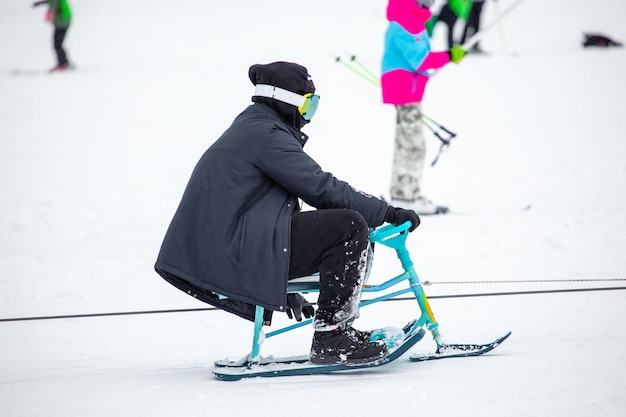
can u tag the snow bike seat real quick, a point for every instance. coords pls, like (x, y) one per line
(304, 284)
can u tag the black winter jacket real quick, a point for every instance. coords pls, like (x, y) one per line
(231, 232)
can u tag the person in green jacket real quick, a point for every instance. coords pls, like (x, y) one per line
(60, 15)
(449, 14)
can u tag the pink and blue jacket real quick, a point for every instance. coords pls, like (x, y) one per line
(407, 54)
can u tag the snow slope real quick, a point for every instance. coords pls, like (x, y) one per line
(93, 163)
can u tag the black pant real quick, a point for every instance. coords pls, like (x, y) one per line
(473, 22)
(447, 16)
(59, 37)
(334, 243)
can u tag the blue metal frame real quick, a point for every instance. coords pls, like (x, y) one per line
(393, 237)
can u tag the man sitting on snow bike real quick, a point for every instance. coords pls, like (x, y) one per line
(238, 234)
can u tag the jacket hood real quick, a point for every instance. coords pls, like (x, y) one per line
(408, 14)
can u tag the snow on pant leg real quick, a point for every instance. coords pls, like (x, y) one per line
(334, 243)
(409, 153)
(59, 37)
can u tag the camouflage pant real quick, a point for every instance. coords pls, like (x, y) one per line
(409, 153)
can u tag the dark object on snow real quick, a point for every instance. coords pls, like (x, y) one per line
(595, 39)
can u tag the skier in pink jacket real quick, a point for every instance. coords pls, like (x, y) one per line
(405, 64)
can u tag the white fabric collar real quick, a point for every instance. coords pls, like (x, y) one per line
(286, 96)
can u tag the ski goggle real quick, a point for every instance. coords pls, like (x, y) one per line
(306, 104)
(309, 107)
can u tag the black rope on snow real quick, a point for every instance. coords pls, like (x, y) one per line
(192, 310)
(425, 283)
(490, 294)
(120, 313)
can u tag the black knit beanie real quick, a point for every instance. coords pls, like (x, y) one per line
(286, 75)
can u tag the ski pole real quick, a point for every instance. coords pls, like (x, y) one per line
(481, 33)
(445, 142)
(430, 119)
(496, 6)
(361, 74)
(364, 67)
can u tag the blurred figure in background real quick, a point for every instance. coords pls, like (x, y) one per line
(60, 15)
(406, 60)
(449, 18)
(468, 10)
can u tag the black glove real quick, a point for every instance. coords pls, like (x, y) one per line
(297, 305)
(397, 216)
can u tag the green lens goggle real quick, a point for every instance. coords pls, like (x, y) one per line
(309, 107)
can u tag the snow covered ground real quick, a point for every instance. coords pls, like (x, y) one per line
(93, 163)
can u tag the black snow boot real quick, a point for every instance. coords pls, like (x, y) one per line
(361, 335)
(345, 346)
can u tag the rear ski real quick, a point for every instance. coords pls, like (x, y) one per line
(275, 367)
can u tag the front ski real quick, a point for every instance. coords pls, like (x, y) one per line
(459, 350)
(263, 360)
(274, 367)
